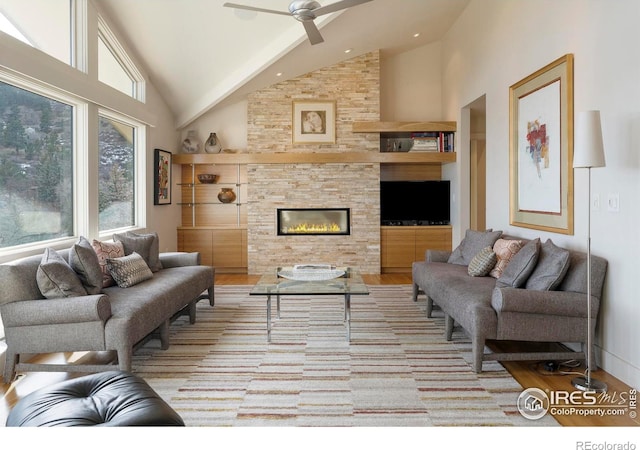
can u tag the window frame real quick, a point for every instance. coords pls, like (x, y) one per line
(79, 164)
(122, 57)
(139, 172)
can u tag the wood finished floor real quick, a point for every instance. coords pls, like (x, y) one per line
(528, 374)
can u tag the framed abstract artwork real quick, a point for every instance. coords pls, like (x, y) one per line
(314, 122)
(161, 177)
(541, 149)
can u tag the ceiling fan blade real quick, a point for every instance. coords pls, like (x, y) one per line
(252, 8)
(312, 31)
(337, 6)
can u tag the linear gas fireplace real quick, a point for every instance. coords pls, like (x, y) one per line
(313, 221)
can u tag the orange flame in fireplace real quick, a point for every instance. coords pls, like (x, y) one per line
(314, 228)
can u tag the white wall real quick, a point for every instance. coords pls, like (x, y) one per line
(496, 43)
(163, 219)
(229, 122)
(410, 85)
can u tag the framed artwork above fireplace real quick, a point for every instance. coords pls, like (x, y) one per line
(313, 122)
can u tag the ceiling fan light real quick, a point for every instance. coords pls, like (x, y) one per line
(302, 10)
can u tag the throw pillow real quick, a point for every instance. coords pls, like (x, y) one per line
(146, 245)
(84, 261)
(521, 265)
(505, 249)
(56, 278)
(552, 266)
(473, 242)
(106, 250)
(129, 270)
(154, 251)
(482, 263)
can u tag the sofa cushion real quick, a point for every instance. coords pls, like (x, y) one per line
(482, 263)
(84, 261)
(129, 270)
(106, 250)
(551, 268)
(504, 249)
(154, 251)
(56, 278)
(473, 242)
(146, 245)
(521, 265)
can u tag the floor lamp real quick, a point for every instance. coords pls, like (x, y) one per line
(588, 153)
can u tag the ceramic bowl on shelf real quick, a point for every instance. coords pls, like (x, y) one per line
(207, 178)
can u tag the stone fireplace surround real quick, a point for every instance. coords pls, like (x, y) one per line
(354, 85)
(273, 186)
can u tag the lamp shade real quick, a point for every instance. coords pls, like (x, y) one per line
(588, 146)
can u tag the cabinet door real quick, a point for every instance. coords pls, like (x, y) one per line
(428, 238)
(227, 248)
(398, 247)
(197, 241)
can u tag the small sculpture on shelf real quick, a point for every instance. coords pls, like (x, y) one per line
(191, 144)
(226, 195)
(212, 144)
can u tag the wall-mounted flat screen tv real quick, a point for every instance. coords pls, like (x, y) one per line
(415, 202)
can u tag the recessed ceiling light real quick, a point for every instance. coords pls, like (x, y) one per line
(279, 74)
(416, 34)
(349, 50)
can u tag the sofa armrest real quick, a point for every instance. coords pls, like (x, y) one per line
(437, 256)
(179, 259)
(554, 303)
(88, 308)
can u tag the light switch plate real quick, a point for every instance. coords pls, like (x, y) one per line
(613, 202)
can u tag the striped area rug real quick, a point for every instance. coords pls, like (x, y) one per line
(398, 370)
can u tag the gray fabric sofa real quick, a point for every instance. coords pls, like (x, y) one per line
(114, 319)
(535, 299)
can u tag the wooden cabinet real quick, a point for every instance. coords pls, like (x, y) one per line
(224, 249)
(401, 246)
(216, 229)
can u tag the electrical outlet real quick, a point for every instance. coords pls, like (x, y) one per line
(613, 202)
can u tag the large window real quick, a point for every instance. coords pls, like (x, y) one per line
(117, 205)
(36, 167)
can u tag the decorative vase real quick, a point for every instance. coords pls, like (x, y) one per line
(226, 195)
(191, 144)
(212, 144)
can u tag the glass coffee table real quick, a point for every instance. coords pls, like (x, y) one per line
(280, 282)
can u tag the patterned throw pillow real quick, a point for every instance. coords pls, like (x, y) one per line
(505, 250)
(129, 270)
(56, 278)
(106, 250)
(473, 242)
(482, 263)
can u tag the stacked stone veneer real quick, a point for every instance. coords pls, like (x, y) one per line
(354, 85)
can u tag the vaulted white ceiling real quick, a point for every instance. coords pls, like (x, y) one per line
(200, 55)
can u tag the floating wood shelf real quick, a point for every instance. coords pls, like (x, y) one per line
(401, 127)
(316, 158)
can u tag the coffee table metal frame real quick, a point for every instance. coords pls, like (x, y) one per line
(271, 284)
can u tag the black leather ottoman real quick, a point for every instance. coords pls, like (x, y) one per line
(114, 399)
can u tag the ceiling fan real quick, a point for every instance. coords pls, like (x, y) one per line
(306, 11)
